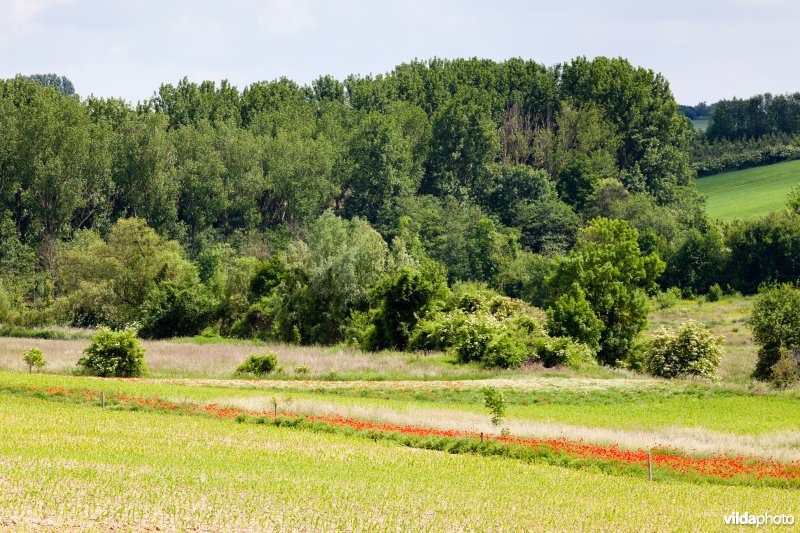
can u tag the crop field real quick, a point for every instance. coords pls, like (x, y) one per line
(750, 192)
(67, 466)
(389, 441)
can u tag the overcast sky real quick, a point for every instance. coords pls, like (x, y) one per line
(707, 49)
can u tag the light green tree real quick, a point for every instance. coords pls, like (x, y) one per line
(34, 358)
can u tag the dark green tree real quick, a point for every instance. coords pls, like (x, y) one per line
(608, 266)
(404, 299)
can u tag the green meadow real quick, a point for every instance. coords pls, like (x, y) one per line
(750, 192)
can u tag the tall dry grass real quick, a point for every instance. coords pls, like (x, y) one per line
(219, 360)
(784, 445)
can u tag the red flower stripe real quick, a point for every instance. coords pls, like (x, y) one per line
(724, 466)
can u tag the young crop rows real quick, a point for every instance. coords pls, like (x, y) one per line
(662, 463)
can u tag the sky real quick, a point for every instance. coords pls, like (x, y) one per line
(707, 49)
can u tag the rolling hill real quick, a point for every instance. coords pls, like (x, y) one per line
(754, 191)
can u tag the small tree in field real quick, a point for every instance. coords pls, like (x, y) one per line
(495, 403)
(776, 325)
(114, 354)
(34, 358)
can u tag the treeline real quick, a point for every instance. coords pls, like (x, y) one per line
(754, 117)
(448, 143)
(701, 110)
(760, 130)
(362, 210)
(712, 157)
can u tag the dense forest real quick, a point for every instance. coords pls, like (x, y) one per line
(380, 210)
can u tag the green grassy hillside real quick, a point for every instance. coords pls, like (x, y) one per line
(755, 191)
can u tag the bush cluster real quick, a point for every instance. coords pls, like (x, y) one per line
(259, 364)
(690, 351)
(714, 293)
(668, 298)
(114, 354)
(478, 325)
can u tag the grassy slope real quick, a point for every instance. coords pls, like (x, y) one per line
(70, 466)
(754, 191)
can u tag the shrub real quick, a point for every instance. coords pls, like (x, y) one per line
(444, 329)
(714, 293)
(786, 372)
(437, 332)
(259, 364)
(478, 325)
(172, 311)
(114, 354)
(692, 350)
(775, 322)
(635, 360)
(473, 336)
(562, 351)
(470, 296)
(34, 358)
(669, 298)
(508, 349)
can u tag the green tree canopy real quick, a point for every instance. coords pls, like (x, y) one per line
(607, 265)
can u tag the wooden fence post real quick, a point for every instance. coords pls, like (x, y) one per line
(649, 466)
(102, 400)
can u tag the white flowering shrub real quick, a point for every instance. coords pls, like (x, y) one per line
(691, 350)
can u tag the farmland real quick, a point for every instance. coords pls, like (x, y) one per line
(220, 475)
(750, 192)
(183, 433)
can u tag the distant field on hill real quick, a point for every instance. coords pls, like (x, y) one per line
(755, 191)
(700, 124)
